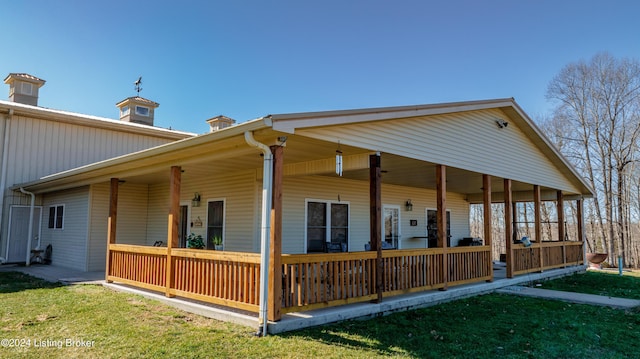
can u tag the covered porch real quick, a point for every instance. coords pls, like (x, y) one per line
(389, 189)
(300, 282)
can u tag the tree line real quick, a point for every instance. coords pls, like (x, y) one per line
(596, 125)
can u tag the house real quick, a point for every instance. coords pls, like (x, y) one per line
(305, 203)
(37, 141)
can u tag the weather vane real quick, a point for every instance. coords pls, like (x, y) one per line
(138, 83)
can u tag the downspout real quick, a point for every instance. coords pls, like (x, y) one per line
(265, 233)
(30, 230)
(3, 175)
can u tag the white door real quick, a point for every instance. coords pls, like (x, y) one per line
(18, 231)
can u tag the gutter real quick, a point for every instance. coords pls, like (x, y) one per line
(3, 172)
(265, 233)
(30, 230)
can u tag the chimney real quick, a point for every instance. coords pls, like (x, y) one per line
(23, 88)
(219, 122)
(138, 110)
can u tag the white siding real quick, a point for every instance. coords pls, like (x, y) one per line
(97, 244)
(356, 193)
(468, 140)
(39, 147)
(70, 243)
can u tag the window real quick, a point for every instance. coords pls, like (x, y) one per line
(142, 111)
(56, 217)
(215, 222)
(391, 223)
(124, 111)
(26, 88)
(432, 228)
(327, 226)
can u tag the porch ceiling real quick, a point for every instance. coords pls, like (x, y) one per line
(396, 170)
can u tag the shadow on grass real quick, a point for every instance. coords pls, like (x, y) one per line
(11, 282)
(490, 326)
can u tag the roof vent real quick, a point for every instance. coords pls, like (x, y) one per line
(219, 122)
(23, 88)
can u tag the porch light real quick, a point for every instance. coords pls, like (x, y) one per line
(339, 162)
(408, 206)
(195, 202)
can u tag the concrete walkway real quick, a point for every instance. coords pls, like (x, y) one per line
(579, 298)
(52, 273)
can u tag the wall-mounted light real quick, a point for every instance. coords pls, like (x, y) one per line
(195, 202)
(408, 206)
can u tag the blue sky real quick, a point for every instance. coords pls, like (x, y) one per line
(247, 59)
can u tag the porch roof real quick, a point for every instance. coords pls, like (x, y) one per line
(226, 150)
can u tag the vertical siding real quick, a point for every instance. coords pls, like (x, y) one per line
(456, 140)
(70, 243)
(40, 147)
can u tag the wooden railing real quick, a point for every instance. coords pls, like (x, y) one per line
(469, 264)
(226, 278)
(319, 280)
(546, 255)
(322, 280)
(141, 266)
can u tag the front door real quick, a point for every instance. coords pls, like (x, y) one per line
(18, 231)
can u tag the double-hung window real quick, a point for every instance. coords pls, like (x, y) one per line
(327, 226)
(56, 216)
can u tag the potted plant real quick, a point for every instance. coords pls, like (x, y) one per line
(195, 241)
(217, 242)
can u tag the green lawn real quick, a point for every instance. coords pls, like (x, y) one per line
(120, 325)
(605, 283)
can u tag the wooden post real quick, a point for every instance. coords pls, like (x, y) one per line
(581, 237)
(537, 226)
(561, 232)
(111, 222)
(441, 220)
(172, 232)
(508, 229)
(375, 228)
(274, 296)
(486, 201)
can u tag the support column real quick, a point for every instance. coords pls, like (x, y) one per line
(111, 222)
(561, 231)
(581, 236)
(375, 227)
(508, 229)
(486, 201)
(274, 296)
(537, 222)
(172, 232)
(441, 220)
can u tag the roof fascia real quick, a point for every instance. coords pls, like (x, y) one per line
(92, 121)
(290, 122)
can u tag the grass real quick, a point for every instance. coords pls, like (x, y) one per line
(598, 282)
(125, 325)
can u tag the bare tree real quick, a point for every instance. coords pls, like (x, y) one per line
(599, 105)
